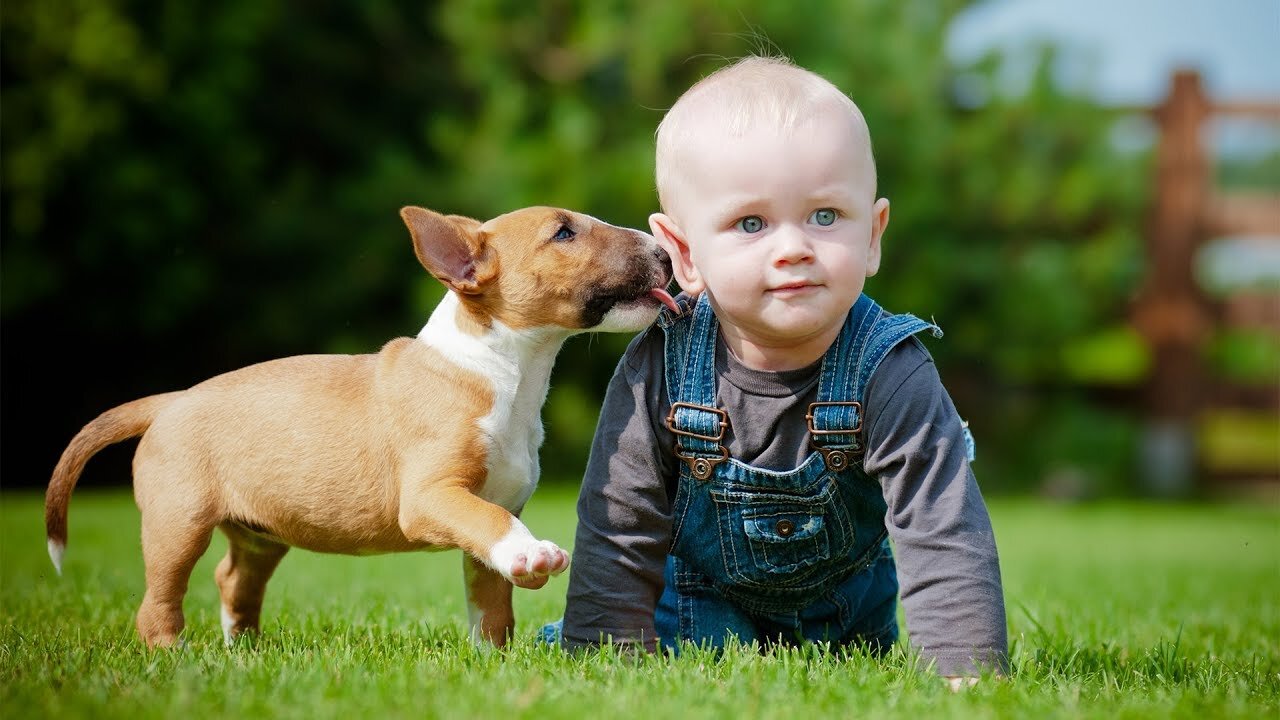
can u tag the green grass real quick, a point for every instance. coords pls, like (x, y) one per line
(1115, 611)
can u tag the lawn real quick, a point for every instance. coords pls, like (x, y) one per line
(1116, 610)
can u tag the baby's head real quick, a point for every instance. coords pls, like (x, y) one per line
(752, 94)
(767, 185)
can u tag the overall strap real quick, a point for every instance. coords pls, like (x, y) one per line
(698, 424)
(835, 420)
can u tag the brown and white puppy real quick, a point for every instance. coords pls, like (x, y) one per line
(432, 443)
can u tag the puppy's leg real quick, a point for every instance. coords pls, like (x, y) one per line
(447, 514)
(171, 545)
(488, 603)
(242, 578)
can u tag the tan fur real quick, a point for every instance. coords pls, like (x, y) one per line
(487, 589)
(350, 454)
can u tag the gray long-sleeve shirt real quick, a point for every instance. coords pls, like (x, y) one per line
(948, 570)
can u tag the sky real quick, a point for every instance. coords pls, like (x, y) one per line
(1123, 51)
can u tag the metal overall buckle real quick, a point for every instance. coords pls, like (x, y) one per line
(700, 466)
(837, 459)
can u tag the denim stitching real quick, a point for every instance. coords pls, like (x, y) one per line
(685, 611)
(834, 382)
(843, 609)
(841, 506)
(812, 501)
(721, 532)
(681, 504)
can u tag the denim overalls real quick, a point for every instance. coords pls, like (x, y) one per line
(778, 556)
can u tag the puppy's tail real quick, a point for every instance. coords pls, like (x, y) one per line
(121, 423)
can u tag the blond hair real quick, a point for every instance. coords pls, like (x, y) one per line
(753, 92)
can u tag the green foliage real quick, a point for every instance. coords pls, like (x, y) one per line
(1115, 355)
(1240, 440)
(1105, 617)
(189, 187)
(1246, 356)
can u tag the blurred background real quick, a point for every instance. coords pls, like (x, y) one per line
(1085, 198)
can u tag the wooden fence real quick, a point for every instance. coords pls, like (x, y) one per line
(1173, 313)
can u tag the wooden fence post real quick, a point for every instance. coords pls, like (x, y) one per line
(1172, 313)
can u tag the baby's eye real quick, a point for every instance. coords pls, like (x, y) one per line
(823, 216)
(751, 224)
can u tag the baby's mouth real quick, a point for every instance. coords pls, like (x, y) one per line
(792, 287)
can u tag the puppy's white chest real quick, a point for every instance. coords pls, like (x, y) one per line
(514, 433)
(517, 364)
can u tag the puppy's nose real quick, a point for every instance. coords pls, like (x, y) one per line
(664, 260)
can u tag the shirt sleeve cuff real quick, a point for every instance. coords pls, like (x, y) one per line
(951, 663)
(571, 644)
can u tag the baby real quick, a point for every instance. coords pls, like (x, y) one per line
(761, 444)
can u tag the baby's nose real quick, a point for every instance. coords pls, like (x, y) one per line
(791, 245)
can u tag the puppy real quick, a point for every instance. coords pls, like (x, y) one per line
(430, 444)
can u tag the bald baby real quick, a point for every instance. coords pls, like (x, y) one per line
(755, 94)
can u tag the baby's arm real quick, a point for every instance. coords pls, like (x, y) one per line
(624, 516)
(948, 569)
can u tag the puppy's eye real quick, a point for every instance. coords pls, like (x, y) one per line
(564, 233)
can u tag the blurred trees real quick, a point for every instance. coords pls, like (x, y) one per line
(191, 187)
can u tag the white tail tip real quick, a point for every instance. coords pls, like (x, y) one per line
(56, 549)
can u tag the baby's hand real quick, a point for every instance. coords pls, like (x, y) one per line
(957, 683)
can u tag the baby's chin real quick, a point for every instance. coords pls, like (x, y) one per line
(782, 324)
(801, 327)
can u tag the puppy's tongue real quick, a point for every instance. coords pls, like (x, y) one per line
(665, 298)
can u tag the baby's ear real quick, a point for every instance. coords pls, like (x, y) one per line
(879, 221)
(672, 239)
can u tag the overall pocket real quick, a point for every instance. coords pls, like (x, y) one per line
(780, 540)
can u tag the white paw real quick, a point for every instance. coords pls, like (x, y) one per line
(527, 561)
(541, 558)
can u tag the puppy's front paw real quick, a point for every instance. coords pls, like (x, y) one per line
(529, 563)
(542, 559)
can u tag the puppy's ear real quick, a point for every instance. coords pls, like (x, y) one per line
(450, 247)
